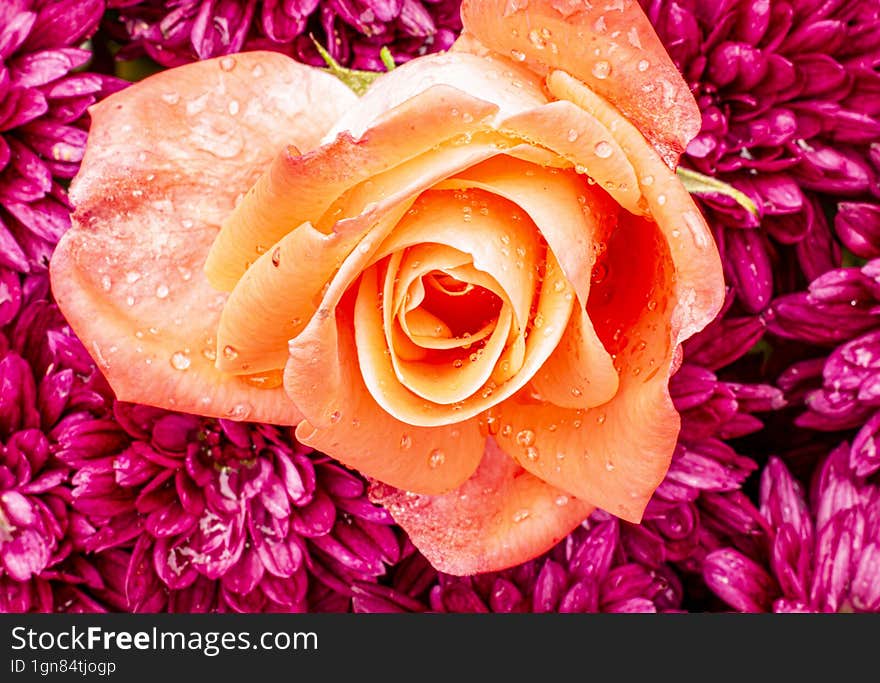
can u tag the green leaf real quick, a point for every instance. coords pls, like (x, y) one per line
(697, 183)
(358, 81)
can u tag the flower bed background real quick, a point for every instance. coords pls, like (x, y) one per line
(772, 502)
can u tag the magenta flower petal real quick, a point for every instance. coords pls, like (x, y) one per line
(858, 226)
(742, 583)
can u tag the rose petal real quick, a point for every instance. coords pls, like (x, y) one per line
(363, 436)
(498, 518)
(634, 72)
(616, 454)
(172, 148)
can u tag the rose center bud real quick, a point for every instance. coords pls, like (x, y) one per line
(457, 310)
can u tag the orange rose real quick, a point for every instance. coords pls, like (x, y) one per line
(470, 284)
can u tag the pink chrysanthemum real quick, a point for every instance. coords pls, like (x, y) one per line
(42, 121)
(218, 515)
(824, 554)
(354, 31)
(50, 394)
(791, 117)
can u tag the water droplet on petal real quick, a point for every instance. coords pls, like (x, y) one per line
(643, 65)
(106, 283)
(601, 69)
(229, 353)
(532, 454)
(525, 438)
(276, 256)
(518, 56)
(161, 292)
(520, 516)
(405, 442)
(180, 361)
(227, 63)
(240, 411)
(562, 501)
(335, 417)
(436, 459)
(603, 149)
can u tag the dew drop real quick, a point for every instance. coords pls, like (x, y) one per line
(229, 353)
(506, 430)
(276, 256)
(601, 418)
(240, 411)
(609, 466)
(405, 442)
(232, 107)
(601, 69)
(532, 454)
(536, 39)
(269, 380)
(572, 135)
(603, 149)
(661, 199)
(106, 283)
(129, 300)
(180, 361)
(520, 516)
(171, 97)
(227, 63)
(525, 438)
(559, 286)
(335, 416)
(132, 276)
(161, 292)
(518, 56)
(600, 272)
(697, 229)
(643, 65)
(436, 459)
(562, 501)
(652, 305)
(576, 392)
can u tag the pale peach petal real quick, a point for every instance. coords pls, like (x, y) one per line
(584, 141)
(363, 436)
(440, 383)
(610, 46)
(297, 188)
(308, 259)
(165, 161)
(500, 517)
(580, 372)
(572, 215)
(697, 263)
(510, 87)
(501, 240)
(616, 454)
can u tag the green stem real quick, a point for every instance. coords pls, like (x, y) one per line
(697, 183)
